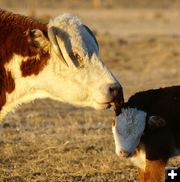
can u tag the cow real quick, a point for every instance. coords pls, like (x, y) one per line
(58, 60)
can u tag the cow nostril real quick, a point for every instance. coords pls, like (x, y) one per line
(115, 94)
(113, 89)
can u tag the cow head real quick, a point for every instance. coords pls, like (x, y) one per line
(76, 74)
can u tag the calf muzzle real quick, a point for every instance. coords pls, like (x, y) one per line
(123, 153)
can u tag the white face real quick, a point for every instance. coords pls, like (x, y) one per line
(85, 80)
(128, 129)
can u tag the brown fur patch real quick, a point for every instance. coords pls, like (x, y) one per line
(34, 65)
(154, 171)
(14, 40)
(6, 85)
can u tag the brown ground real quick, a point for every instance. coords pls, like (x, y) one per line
(49, 141)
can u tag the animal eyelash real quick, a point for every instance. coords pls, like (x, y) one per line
(77, 59)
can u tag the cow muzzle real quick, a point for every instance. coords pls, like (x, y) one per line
(118, 100)
(109, 95)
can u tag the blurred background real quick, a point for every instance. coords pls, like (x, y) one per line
(51, 141)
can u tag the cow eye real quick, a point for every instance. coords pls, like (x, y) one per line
(77, 59)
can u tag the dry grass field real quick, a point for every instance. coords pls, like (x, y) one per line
(47, 141)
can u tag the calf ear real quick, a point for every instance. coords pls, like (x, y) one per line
(156, 122)
(39, 40)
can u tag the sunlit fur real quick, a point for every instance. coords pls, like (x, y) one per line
(128, 129)
(80, 40)
(139, 157)
(84, 86)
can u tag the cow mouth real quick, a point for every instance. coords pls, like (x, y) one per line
(104, 105)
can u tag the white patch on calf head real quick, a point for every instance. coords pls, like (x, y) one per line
(128, 129)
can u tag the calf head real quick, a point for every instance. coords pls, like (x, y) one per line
(128, 128)
(76, 73)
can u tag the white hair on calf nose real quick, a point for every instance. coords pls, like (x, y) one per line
(129, 128)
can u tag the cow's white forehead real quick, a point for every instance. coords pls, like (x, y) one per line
(65, 20)
(81, 40)
(129, 127)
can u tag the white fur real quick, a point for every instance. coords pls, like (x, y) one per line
(64, 20)
(80, 39)
(87, 86)
(139, 159)
(128, 129)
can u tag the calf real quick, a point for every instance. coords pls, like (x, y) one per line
(147, 130)
(59, 60)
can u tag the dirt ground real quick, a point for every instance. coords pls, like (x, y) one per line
(47, 141)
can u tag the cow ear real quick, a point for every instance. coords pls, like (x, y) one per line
(91, 33)
(39, 40)
(155, 122)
